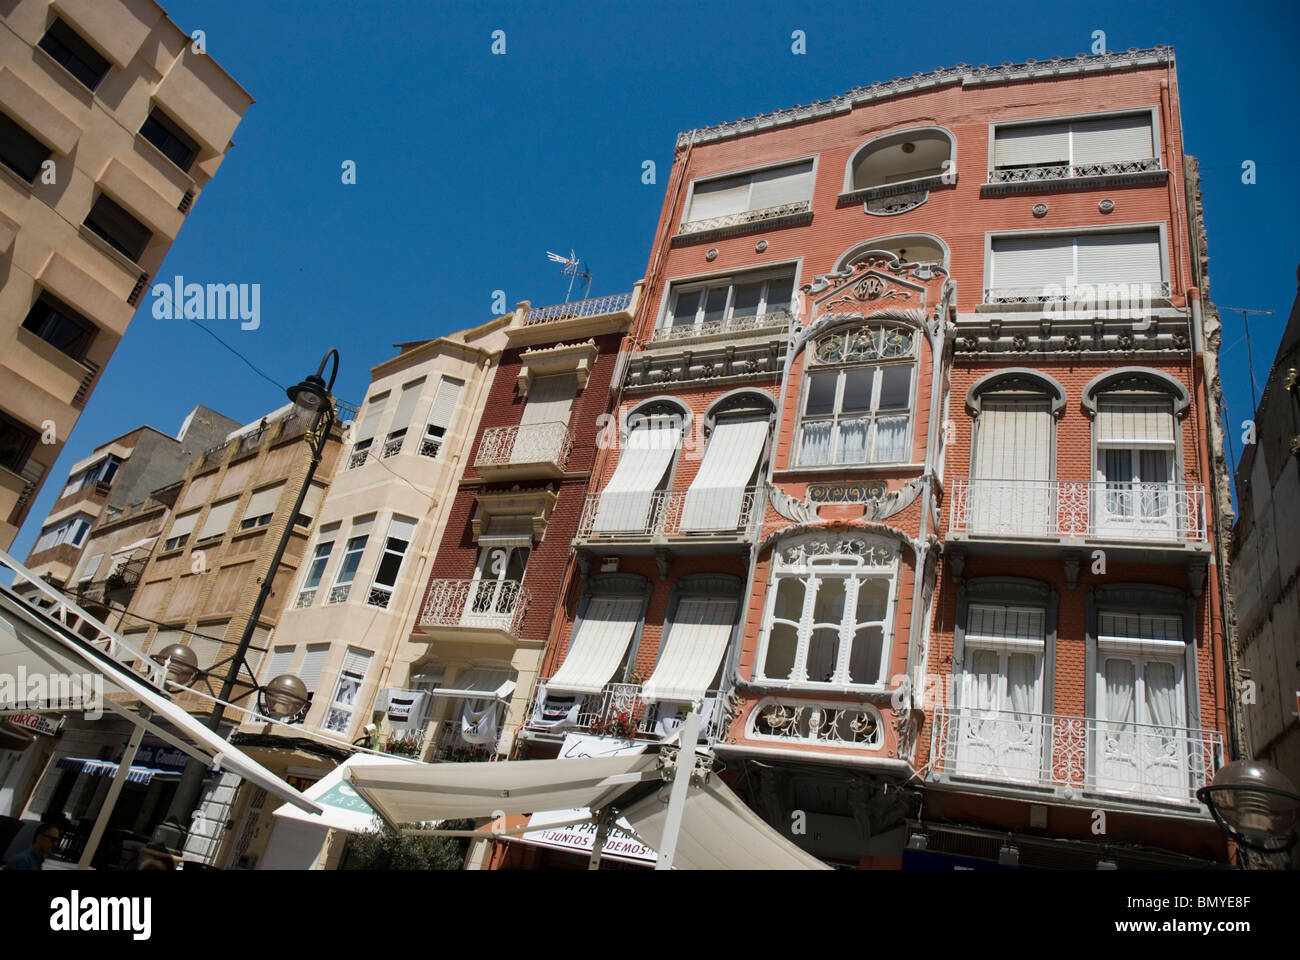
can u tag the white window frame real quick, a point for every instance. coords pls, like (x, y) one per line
(1074, 233)
(339, 715)
(730, 281)
(340, 588)
(381, 594)
(1156, 507)
(71, 530)
(307, 589)
(812, 571)
(488, 592)
(430, 442)
(1070, 120)
(688, 206)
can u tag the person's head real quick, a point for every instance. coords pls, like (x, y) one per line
(46, 838)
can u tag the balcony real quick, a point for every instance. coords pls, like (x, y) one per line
(488, 610)
(619, 712)
(593, 307)
(781, 215)
(1073, 757)
(1143, 513)
(1012, 179)
(450, 747)
(1117, 300)
(527, 451)
(776, 323)
(663, 520)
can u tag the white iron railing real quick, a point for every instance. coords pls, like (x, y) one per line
(450, 747)
(620, 712)
(1073, 755)
(486, 604)
(1115, 299)
(776, 320)
(592, 307)
(1064, 171)
(525, 444)
(662, 517)
(825, 724)
(1066, 508)
(745, 217)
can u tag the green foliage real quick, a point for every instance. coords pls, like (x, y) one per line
(382, 848)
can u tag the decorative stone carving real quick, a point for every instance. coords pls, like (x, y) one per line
(787, 506)
(1071, 563)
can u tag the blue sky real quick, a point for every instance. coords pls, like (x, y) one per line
(470, 166)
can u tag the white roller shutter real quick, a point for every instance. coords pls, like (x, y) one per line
(693, 650)
(278, 664)
(550, 400)
(313, 662)
(1131, 257)
(715, 497)
(627, 499)
(719, 198)
(444, 403)
(1038, 145)
(208, 647)
(773, 188)
(1033, 262)
(599, 645)
(1151, 634)
(219, 517)
(370, 423)
(263, 502)
(1111, 139)
(501, 531)
(311, 503)
(356, 662)
(406, 405)
(1004, 626)
(1013, 461)
(184, 525)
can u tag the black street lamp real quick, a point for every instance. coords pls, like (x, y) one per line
(1254, 804)
(285, 695)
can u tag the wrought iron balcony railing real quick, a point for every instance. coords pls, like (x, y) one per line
(1065, 171)
(1104, 510)
(776, 320)
(1114, 298)
(745, 217)
(483, 604)
(531, 443)
(634, 516)
(450, 747)
(620, 712)
(591, 307)
(1074, 756)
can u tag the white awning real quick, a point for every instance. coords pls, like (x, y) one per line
(480, 683)
(38, 645)
(694, 648)
(341, 808)
(714, 499)
(598, 645)
(452, 791)
(626, 500)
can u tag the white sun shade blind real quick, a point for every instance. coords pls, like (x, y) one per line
(998, 625)
(219, 517)
(278, 664)
(772, 188)
(1038, 145)
(184, 525)
(313, 662)
(1031, 262)
(598, 646)
(550, 399)
(694, 648)
(1015, 440)
(719, 198)
(406, 405)
(626, 501)
(263, 501)
(1159, 634)
(1131, 257)
(444, 403)
(507, 532)
(370, 422)
(715, 497)
(1110, 139)
(1135, 422)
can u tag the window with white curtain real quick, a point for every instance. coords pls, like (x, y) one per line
(707, 303)
(855, 411)
(829, 617)
(499, 574)
(1135, 443)
(750, 192)
(347, 691)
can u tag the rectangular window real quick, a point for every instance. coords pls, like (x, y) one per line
(105, 471)
(74, 54)
(348, 690)
(351, 560)
(1136, 493)
(261, 507)
(91, 566)
(760, 190)
(72, 531)
(400, 532)
(20, 151)
(181, 530)
(599, 644)
(707, 306)
(716, 498)
(313, 665)
(174, 143)
(121, 231)
(1029, 266)
(856, 415)
(16, 443)
(278, 663)
(218, 521)
(366, 432)
(310, 505)
(315, 570)
(1085, 147)
(60, 326)
(550, 400)
(440, 416)
(402, 418)
(626, 504)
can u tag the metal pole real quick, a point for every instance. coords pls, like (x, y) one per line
(115, 790)
(690, 733)
(172, 831)
(602, 832)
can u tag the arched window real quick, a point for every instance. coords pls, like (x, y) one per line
(859, 383)
(829, 617)
(907, 247)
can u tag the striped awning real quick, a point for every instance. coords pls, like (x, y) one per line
(107, 768)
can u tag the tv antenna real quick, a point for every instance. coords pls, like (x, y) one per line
(573, 268)
(1250, 363)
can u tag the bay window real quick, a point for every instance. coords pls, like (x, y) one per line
(854, 411)
(830, 614)
(347, 571)
(316, 568)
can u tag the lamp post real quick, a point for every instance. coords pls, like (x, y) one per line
(311, 396)
(1254, 804)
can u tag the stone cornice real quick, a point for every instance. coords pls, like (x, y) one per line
(963, 73)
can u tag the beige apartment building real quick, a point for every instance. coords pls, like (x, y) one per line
(112, 122)
(356, 594)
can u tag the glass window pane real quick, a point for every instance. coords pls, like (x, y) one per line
(864, 660)
(857, 390)
(895, 388)
(789, 599)
(780, 652)
(779, 291)
(853, 441)
(821, 394)
(747, 298)
(891, 440)
(873, 596)
(715, 305)
(822, 648)
(815, 443)
(829, 605)
(688, 304)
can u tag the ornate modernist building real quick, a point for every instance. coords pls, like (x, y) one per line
(909, 487)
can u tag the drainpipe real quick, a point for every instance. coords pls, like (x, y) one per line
(1224, 719)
